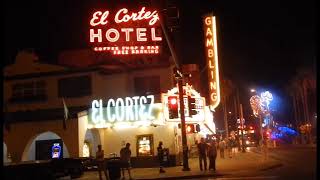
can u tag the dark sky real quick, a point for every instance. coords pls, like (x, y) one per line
(260, 42)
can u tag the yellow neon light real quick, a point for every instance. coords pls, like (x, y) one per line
(216, 61)
(210, 31)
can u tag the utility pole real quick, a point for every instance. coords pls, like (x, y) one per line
(260, 122)
(225, 118)
(183, 128)
(242, 126)
(238, 113)
(182, 117)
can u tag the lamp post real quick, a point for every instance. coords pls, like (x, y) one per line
(242, 122)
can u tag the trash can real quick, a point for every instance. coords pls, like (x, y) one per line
(114, 168)
(166, 157)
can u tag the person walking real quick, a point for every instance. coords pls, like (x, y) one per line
(101, 163)
(125, 156)
(202, 151)
(222, 146)
(212, 155)
(229, 144)
(160, 157)
(234, 146)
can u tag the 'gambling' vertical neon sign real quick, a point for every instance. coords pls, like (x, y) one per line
(210, 34)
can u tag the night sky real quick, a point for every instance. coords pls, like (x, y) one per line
(261, 43)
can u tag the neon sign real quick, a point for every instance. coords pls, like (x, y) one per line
(130, 49)
(210, 34)
(126, 32)
(266, 97)
(56, 150)
(129, 109)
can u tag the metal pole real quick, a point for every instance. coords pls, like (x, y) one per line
(261, 133)
(173, 53)
(225, 118)
(242, 135)
(183, 128)
(183, 124)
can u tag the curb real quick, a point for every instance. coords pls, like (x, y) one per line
(184, 177)
(272, 167)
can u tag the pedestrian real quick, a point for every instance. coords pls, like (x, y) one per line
(101, 162)
(234, 146)
(212, 155)
(222, 146)
(125, 156)
(229, 144)
(160, 157)
(202, 151)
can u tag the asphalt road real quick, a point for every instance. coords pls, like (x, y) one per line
(297, 163)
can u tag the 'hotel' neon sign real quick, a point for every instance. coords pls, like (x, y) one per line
(128, 33)
(210, 33)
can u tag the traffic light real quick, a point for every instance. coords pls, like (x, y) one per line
(192, 106)
(197, 128)
(173, 107)
(267, 135)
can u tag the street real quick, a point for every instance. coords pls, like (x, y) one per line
(298, 162)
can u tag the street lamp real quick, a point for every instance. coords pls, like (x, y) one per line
(252, 90)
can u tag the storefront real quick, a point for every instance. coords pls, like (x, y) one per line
(143, 123)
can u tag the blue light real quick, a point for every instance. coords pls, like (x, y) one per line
(282, 132)
(287, 130)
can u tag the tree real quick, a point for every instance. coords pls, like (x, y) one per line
(227, 89)
(302, 88)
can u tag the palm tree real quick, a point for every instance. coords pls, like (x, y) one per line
(300, 88)
(290, 90)
(227, 88)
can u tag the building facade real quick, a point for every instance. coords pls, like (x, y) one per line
(51, 102)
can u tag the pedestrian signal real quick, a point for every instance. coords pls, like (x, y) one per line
(190, 128)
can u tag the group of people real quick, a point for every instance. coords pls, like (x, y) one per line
(125, 158)
(125, 155)
(205, 150)
(209, 150)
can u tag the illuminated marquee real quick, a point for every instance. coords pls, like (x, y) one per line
(210, 34)
(127, 32)
(129, 111)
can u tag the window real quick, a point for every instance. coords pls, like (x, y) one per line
(145, 145)
(29, 91)
(74, 86)
(147, 85)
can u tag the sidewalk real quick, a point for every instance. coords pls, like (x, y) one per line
(241, 163)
